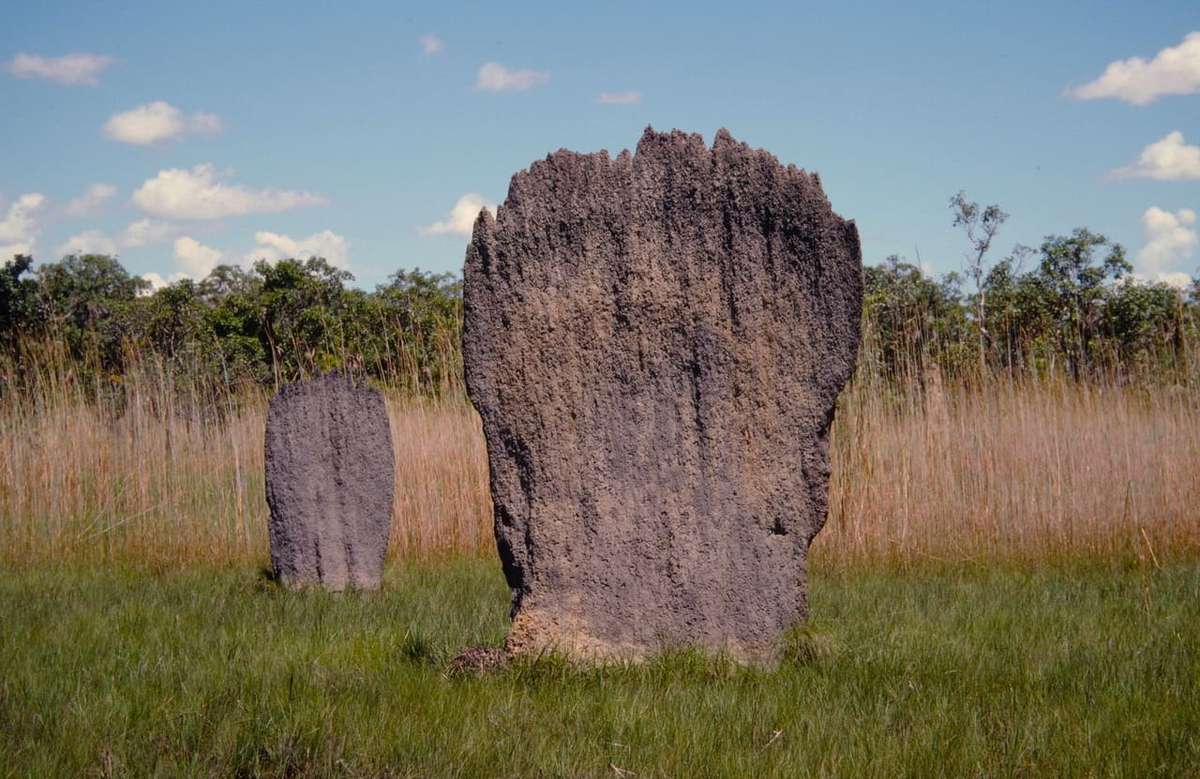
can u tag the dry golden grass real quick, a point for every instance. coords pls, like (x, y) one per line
(1011, 470)
(1017, 470)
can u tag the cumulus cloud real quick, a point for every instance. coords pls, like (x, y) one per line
(494, 77)
(1171, 241)
(158, 121)
(431, 44)
(157, 282)
(619, 98)
(19, 227)
(1173, 71)
(143, 232)
(146, 232)
(327, 244)
(194, 259)
(201, 193)
(1170, 159)
(461, 218)
(92, 200)
(88, 242)
(70, 69)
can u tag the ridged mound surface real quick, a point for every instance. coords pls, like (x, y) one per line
(655, 344)
(330, 483)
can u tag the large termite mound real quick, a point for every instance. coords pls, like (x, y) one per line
(656, 343)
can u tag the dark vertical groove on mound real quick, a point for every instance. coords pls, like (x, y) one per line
(655, 344)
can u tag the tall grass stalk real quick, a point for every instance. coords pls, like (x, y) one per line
(1000, 470)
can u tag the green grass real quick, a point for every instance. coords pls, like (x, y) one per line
(1067, 670)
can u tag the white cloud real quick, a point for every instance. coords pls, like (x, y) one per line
(494, 77)
(143, 232)
(71, 69)
(1170, 159)
(88, 242)
(461, 219)
(158, 121)
(91, 201)
(619, 98)
(328, 244)
(431, 44)
(19, 227)
(200, 193)
(1173, 71)
(1177, 280)
(194, 259)
(1170, 242)
(146, 232)
(157, 282)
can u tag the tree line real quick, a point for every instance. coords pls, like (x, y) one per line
(89, 318)
(1069, 307)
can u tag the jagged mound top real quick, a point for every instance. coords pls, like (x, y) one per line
(685, 153)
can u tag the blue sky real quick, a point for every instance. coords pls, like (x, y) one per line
(184, 135)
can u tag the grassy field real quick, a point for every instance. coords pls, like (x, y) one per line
(953, 670)
(1008, 585)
